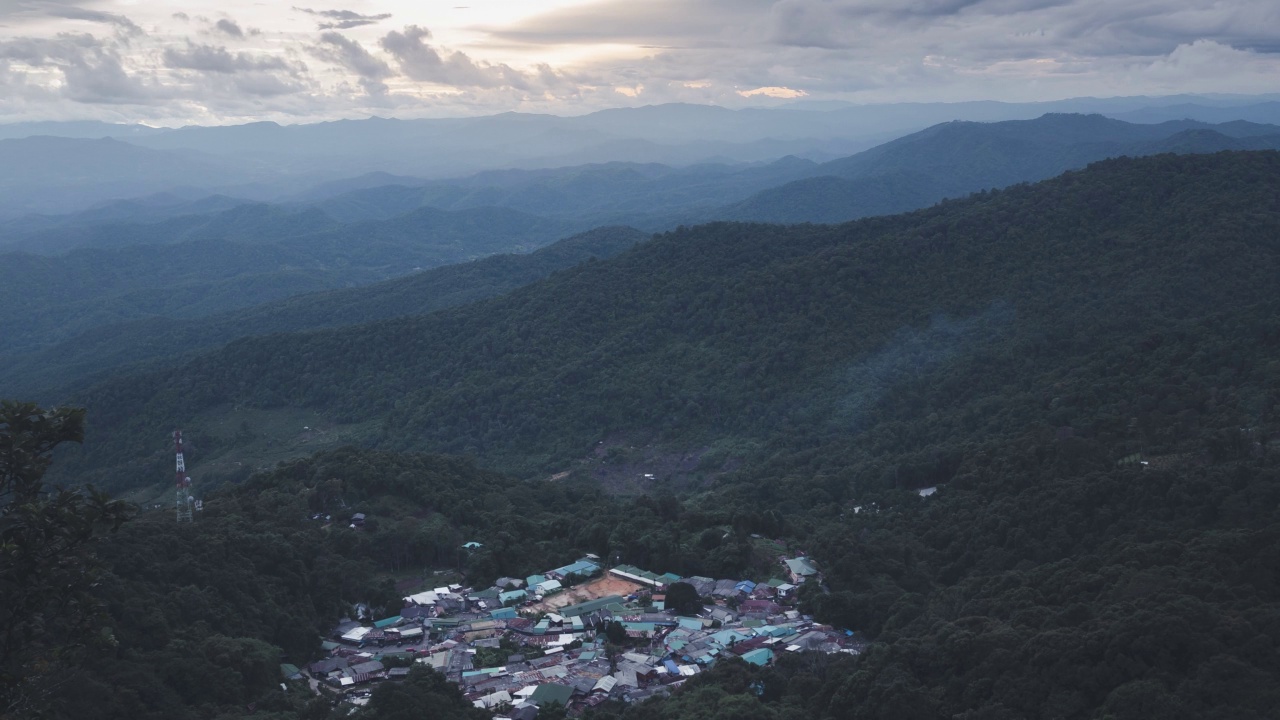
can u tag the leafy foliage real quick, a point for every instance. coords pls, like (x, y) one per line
(47, 570)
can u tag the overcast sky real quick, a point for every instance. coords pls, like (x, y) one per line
(198, 61)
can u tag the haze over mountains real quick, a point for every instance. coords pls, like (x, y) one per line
(266, 161)
(719, 334)
(164, 260)
(1005, 373)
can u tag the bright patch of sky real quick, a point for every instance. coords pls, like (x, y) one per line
(198, 61)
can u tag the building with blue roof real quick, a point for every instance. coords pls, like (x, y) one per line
(585, 568)
(759, 656)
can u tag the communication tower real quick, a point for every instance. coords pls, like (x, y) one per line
(185, 500)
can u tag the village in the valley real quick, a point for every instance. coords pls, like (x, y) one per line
(575, 636)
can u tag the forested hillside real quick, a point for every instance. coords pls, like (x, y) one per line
(1011, 310)
(101, 351)
(1084, 369)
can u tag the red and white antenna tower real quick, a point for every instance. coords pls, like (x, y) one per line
(184, 497)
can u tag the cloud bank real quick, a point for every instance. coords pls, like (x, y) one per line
(197, 62)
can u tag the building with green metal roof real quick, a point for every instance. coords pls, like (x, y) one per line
(551, 694)
(590, 606)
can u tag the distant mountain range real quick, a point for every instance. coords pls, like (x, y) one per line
(267, 161)
(958, 158)
(169, 257)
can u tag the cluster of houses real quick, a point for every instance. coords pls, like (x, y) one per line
(510, 654)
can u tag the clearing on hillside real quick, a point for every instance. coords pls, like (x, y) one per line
(598, 588)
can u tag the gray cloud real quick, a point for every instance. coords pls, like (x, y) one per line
(98, 16)
(210, 58)
(229, 27)
(351, 55)
(343, 19)
(420, 61)
(92, 69)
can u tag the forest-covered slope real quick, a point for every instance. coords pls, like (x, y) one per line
(1132, 302)
(101, 351)
(237, 258)
(1085, 369)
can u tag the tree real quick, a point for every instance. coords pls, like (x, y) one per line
(424, 693)
(683, 598)
(46, 568)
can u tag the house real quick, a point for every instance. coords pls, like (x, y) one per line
(725, 588)
(473, 545)
(358, 520)
(547, 587)
(328, 665)
(356, 635)
(370, 667)
(592, 606)
(723, 615)
(800, 569)
(759, 656)
(414, 612)
(429, 597)
(523, 711)
(704, 585)
(493, 700)
(644, 577)
(583, 568)
(551, 694)
(512, 596)
(759, 608)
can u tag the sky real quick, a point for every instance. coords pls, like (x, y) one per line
(200, 62)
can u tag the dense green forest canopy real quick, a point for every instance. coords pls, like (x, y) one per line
(1120, 304)
(101, 351)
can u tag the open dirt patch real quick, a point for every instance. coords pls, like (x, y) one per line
(598, 588)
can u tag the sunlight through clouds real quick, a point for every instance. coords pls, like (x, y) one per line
(198, 60)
